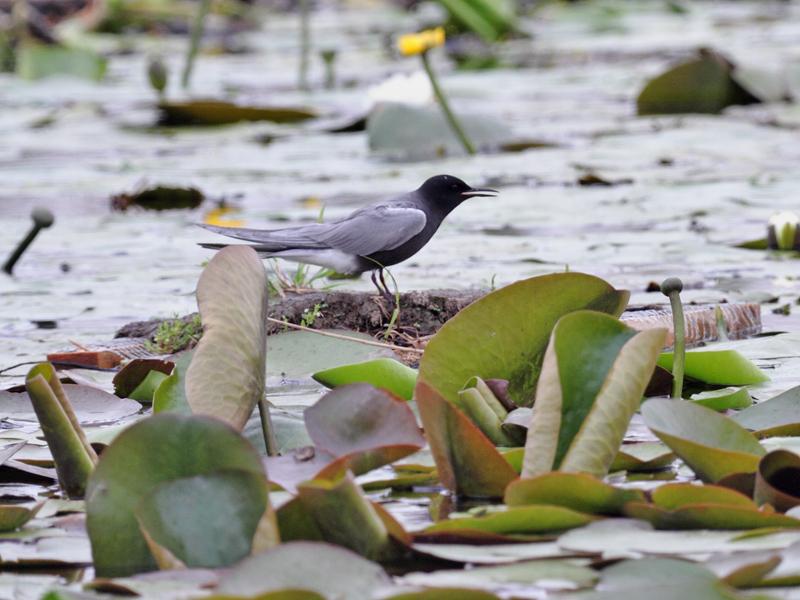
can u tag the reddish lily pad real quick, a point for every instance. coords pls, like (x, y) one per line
(467, 461)
(540, 518)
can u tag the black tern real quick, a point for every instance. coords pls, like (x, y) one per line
(373, 237)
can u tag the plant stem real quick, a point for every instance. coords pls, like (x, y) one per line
(194, 41)
(448, 114)
(672, 287)
(302, 75)
(346, 337)
(266, 428)
(679, 350)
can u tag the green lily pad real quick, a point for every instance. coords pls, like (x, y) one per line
(37, 61)
(226, 376)
(709, 516)
(488, 18)
(477, 342)
(170, 395)
(717, 367)
(724, 399)
(577, 491)
(658, 579)
(593, 377)
(713, 445)
(14, 516)
(146, 389)
(407, 132)
(777, 480)
(217, 112)
(216, 532)
(131, 376)
(157, 450)
(467, 461)
(328, 570)
(385, 373)
(643, 456)
(703, 85)
(777, 416)
(540, 518)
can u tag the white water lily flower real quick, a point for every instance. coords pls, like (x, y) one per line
(413, 88)
(783, 226)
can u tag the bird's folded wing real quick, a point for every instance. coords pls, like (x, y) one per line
(375, 229)
(272, 239)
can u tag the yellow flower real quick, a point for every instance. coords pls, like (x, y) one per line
(217, 216)
(417, 43)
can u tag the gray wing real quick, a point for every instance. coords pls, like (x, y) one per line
(369, 230)
(373, 229)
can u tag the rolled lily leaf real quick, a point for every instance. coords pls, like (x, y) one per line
(594, 374)
(778, 480)
(226, 376)
(577, 491)
(145, 391)
(386, 373)
(477, 342)
(346, 518)
(216, 532)
(724, 399)
(467, 461)
(131, 376)
(480, 405)
(73, 455)
(157, 450)
(717, 367)
(713, 445)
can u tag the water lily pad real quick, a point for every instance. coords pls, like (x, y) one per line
(713, 445)
(386, 373)
(717, 367)
(659, 579)
(555, 574)
(336, 572)
(37, 61)
(134, 373)
(776, 416)
(540, 518)
(578, 491)
(703, 85)
(409, 132)
(159, 449)
(593, 377)
(226, 376)
(216, 532)
(368, 426)
(14, 516)
(170, 395)
(92, 406)
(643, 456)
(777, 480)
(477, 342)
(467, 461)
(218, 112)
(724, 399)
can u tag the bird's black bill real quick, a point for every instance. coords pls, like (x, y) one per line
(480, 192)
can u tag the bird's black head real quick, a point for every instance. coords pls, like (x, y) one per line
(448, 191)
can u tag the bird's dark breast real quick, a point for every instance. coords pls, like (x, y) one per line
(406, 250)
